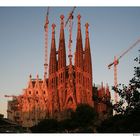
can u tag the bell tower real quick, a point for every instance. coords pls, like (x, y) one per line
(52, 86)
(79, 64)
(61, 65)
(87, 69)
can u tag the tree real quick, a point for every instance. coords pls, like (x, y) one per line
(80, 121)
(46, 126)
(130, 95)
(128, 108)
(84, 115)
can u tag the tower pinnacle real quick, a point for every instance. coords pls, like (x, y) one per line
(53, 31)
(87, 68)
(62, 21)
(79, 20)
(53, 60)
(61, 65)
(61, 49)
(87, 33)
(79, 46)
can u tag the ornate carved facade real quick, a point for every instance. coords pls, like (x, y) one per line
(66, 85)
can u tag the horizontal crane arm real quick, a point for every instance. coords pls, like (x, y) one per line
(10, 96)
(131, 47)
(110, 65)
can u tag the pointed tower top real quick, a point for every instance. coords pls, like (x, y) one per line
(62, 21)
(62, 27)
(79, 46)
(79, 36)
(79, 21)
(87, 44)
(87, 33)
(53, 26)
(87, 53)
(62, 17)
(53, 60)
(53, 30)
(79, 17)
(87, 25)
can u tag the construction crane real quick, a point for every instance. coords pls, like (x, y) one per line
(17, 98)
(70, 18)
(9, 96)
(46, 44)
(16, 106)
(116, 62)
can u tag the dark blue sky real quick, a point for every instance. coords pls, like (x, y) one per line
(112, 30)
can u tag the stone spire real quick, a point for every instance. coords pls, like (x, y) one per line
(79, 64)
(87, 56)
(61, 65)
(52, 84)
(79, 46)
(53, 61)
(61, 49)
(87, 68)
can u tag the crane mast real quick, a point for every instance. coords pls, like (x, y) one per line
(70, 18)
(116, 62)
(46, 44)
(115, 77)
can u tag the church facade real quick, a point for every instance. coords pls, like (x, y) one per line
(66, 85)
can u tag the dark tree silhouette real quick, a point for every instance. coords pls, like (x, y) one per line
(130, 95)
(81, 121)
(128, 108)
(46, 126)
(84, 115)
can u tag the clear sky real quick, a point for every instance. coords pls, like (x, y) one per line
(112, 30)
